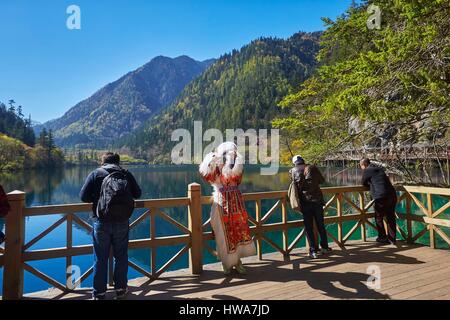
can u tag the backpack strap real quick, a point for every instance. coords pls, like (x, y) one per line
(292, 172)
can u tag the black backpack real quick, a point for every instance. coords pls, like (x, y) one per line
(116, 202)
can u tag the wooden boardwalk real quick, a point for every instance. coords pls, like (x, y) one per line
(407, 272)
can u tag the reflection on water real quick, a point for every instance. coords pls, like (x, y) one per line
(62, 187)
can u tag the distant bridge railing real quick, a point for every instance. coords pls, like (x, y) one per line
(344, 205)
(393, 153)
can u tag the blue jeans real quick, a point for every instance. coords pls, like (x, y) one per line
(105, 235)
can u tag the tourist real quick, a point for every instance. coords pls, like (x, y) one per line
(308, 179)
(4, 209)
(385, 197)
(223, 169)
(112, 191)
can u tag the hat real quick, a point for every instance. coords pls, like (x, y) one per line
(298, 160)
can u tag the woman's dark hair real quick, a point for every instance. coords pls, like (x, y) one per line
(365, 162)
(110, 158)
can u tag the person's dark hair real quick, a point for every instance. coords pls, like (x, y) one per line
(365, 162)
(110, 158)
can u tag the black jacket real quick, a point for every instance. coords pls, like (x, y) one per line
(308, 180)
(90, 192)
(378, 181)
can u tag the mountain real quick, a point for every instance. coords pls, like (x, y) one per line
(122, 106)
(241, 89)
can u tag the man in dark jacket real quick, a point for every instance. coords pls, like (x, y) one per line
(385, 197)
(308, 180)
(109, 231)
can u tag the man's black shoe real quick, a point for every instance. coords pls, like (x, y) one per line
(121, 294)
(101, 296)
(327, 250)
(382, 240)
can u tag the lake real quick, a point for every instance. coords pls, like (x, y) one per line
(61, 186)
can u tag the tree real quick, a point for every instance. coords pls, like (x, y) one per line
(14, 125)
(19, 112)
(12, 108)
(50, 140)
(15, 132)
(43, 138)
(376, 88)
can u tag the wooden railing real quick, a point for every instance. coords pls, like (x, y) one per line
(344, 205)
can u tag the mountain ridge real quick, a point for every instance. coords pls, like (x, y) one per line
(241, 89)
(124, 104)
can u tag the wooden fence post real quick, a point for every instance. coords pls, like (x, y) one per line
(408, 219)
(196, 228)
(15, 235)
(259, 250)
(339, 198)
(362, 206)
(284, 219)
(431, 226)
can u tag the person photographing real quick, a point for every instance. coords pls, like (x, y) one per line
(308, 179)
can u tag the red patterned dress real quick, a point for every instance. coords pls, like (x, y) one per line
(228, 214)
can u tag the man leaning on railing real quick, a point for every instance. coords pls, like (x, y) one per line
(385, 197)
(112, 191)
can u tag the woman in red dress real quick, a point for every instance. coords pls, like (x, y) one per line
(223, 169)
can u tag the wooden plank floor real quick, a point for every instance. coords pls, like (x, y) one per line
(407, 272)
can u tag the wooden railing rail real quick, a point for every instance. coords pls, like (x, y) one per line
(344, 204)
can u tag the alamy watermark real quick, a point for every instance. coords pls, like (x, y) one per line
(262, 146)
(73, 280)
(374, 21)
(73, 21)
(374, 280)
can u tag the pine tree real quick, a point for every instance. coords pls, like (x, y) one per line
(43, 138)
(12, 108)
(50, 140)
(14, 125)
(19, 112)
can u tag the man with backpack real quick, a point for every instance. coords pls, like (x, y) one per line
(112, 191)
(385, 197)
(308, 179)
(4, 209)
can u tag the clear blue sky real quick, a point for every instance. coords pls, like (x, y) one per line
(48, 68)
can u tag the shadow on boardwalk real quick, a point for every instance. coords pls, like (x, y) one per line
(340, 275)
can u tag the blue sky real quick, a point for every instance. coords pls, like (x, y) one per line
(48, 68)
